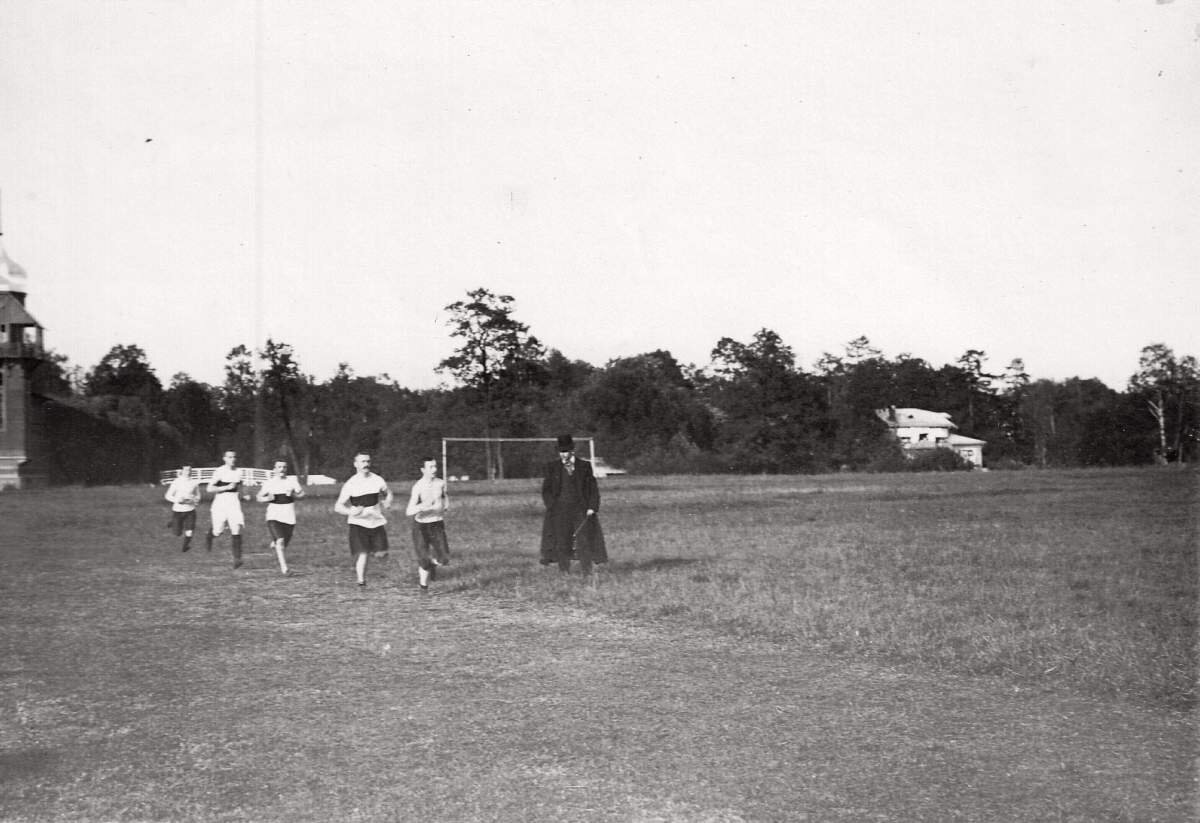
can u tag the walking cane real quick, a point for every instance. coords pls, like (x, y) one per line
(575, 534)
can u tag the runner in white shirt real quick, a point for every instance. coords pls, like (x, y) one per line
(184, 494)
(280, 492)
(225, 487)
(363, 499)
(427, 507)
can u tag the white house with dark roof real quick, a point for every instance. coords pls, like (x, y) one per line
(919, 430)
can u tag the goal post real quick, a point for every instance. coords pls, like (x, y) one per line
(498, 463)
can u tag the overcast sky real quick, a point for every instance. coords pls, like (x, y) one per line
(1017, 177)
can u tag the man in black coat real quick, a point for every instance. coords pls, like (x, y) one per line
(572, 525)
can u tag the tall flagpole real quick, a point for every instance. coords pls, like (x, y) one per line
(259, 141)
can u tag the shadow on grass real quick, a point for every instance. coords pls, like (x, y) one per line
(652, 564)
(505, 571)
(957, 494)
(25, 763)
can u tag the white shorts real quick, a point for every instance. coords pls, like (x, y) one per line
(227, 511)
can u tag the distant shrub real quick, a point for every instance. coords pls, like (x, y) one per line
(933, 460)
(667, 461)
(889, 462)
(1006, 464)
(939, 460)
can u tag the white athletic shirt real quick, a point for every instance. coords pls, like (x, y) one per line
(184, 494)
(282, 512)
(224, 474)
(358, 486)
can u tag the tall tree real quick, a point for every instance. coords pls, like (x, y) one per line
(351, 412)
(1011, 442)
(125, 376)
(1079, 423)
(860, 349)
(55, 376)
(914, 384)
(977, 384)
(193, 410)
(284, 382)
(493, 344)
(1169, 387)
(645, 407)
(239, 397)
(495, 353)
(856, 384)
(771, 415)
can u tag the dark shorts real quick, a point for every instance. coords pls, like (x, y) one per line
(364, 540)
(182, 522)
(281, 530)
(429, 543)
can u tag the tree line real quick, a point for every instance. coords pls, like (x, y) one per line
(750, 409)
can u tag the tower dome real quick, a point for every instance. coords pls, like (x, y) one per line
(12, 275)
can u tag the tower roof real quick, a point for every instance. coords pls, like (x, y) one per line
(12, 312)
(12, 275)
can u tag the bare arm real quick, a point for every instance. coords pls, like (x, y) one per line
(342, 506)
(414, 501)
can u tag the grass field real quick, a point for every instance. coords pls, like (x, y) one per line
(986, 646)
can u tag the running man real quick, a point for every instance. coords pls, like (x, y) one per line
(225, 487)
(280, 492)
(184, 494)
(363, 499)
(427, 507)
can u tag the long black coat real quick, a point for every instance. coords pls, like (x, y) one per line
(566, 512)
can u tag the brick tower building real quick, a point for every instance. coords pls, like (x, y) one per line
(23, 452)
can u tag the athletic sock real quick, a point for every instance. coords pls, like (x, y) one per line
(423, 577)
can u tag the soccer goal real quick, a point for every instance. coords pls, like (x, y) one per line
(495, 458)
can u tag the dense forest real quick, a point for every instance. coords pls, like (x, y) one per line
(750, 409)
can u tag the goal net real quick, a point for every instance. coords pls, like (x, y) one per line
(497, 458)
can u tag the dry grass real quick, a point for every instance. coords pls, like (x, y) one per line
(1080, 579)
(957, 647)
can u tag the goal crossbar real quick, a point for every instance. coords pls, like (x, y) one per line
(591, 441)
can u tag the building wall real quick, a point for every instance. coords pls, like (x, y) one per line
(912, 434)
(972, 454)
(14, 410)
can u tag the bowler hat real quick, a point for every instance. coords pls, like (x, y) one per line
(566, 443)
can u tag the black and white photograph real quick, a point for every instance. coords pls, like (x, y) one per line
(598, 411)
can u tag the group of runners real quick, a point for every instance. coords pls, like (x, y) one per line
(571, 532)
(363, 499)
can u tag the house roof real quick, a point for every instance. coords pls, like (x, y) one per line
(11, 311)
(960, 440)
(897, 418)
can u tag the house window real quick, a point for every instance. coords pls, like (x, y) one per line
(922, 437)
